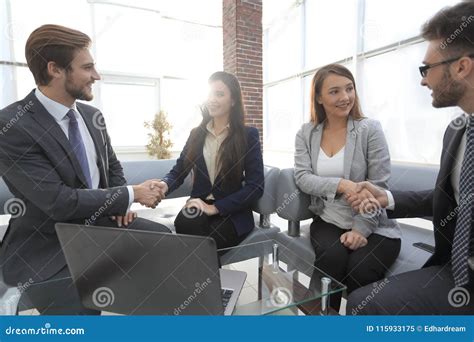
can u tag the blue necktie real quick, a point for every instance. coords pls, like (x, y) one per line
(460, 252)
(77, 144)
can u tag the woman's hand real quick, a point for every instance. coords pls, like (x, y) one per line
(208, 209)
(366, 197)
(346, 187)
(353, 240)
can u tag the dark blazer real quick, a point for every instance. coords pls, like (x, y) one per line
(41, 170)
(439, 202)
(236, 202)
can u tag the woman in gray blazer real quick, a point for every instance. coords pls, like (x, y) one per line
(336, 149)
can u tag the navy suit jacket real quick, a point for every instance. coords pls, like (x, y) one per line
(235, 202)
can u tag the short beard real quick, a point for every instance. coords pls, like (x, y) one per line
(448, 93)
(77, 93)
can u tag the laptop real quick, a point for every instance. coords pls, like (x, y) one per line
(135, 272)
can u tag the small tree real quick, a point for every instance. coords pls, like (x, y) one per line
(159, 142)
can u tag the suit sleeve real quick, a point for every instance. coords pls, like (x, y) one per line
(378, 173)
(25, 165)
(412, 204)
(178, 173)
(116, 176)
(254, 179)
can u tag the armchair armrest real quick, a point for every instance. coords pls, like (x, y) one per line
(292, 204)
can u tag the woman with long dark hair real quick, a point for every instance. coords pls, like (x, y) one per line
(336, 149)
(226, 161)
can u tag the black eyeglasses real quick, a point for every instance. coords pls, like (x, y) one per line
(424, 69)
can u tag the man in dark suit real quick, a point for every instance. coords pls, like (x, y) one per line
(445, 285)
(57, 160)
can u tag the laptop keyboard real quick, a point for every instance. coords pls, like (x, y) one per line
(226, 294)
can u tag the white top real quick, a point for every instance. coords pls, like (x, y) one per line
(330, 166)
(59, 112)
(336, 212)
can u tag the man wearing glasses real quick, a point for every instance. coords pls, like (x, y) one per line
(445, 285)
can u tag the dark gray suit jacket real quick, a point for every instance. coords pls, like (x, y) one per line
(41, 171)
(438, 202)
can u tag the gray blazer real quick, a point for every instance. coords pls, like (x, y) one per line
(366, 157)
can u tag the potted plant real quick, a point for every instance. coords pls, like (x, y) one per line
(159, 142)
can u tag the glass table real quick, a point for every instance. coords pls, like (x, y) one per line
(278, 281)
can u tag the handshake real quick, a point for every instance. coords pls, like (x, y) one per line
(364, 197)
(150, 192)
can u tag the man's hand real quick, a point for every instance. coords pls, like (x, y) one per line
(353, 240)
(161, 186)
(208, 209)
(147, 193)
(366, 197)
(125, 220)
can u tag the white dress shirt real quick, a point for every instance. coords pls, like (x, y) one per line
(59, 112)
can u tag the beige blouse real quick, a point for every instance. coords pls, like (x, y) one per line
(210, 151)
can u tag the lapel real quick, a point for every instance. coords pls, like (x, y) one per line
(315, 140)
(51, 127)
(95, 128)
(349, 148)
(453, 138)
(202, 167)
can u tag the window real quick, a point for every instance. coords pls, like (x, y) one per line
(152, 55)
(379, 42)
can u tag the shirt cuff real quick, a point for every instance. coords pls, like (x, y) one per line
(131, 196)
(391, 201)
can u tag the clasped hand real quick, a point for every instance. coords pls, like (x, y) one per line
(150, 193)
(363, 197)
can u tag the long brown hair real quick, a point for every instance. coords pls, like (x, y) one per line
(318, 114)
(233, 148)
(52, 43)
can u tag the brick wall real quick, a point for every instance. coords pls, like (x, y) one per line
(242, 34)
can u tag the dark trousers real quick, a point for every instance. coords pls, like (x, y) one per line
(352, 268)
(220, 228)
(58, 295)
(427, 291)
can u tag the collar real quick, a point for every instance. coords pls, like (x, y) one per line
(210, 128)
(57, 110)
